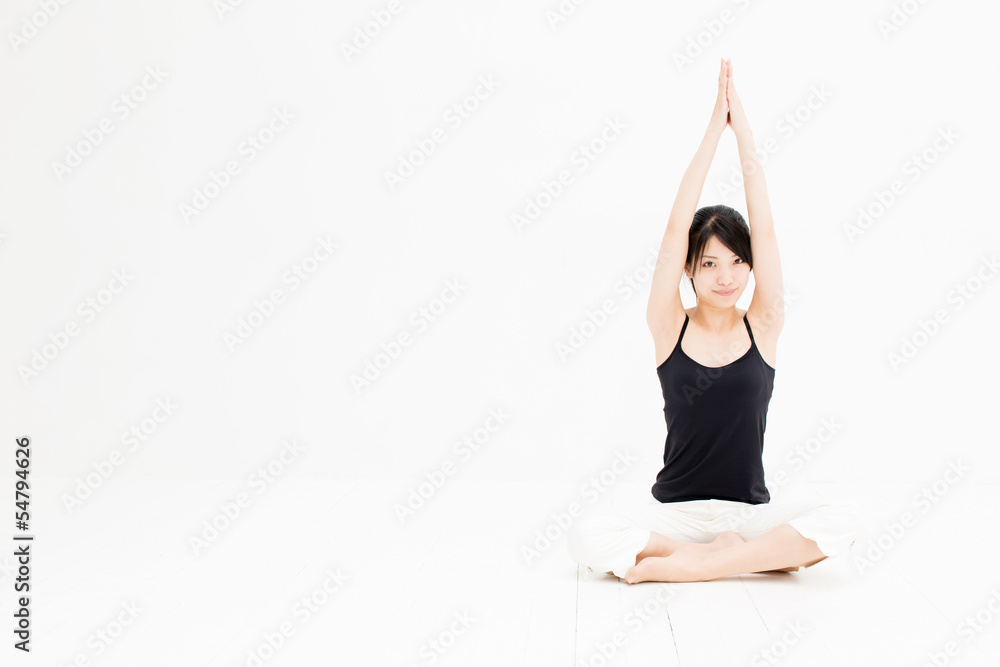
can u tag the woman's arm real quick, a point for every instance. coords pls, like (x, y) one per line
(664, 294)
(767, 304)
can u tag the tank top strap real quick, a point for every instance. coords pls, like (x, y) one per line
(683, 327)
(747, 322)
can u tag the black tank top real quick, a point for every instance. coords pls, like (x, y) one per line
(715, 427)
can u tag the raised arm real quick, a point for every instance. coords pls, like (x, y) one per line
(664, 303)
(767, 304)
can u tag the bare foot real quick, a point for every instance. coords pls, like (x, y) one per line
(681, 565)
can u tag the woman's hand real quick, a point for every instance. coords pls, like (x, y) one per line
(737, 117)
(720, 114)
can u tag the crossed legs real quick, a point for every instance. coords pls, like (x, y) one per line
(634, 542)
(781, 549)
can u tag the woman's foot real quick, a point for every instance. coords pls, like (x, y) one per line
(685, 563)
(690, 562)
(681, 565)
(660, 546)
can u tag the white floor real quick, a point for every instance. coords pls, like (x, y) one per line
(452, 585)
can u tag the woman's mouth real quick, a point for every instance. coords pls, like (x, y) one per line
(724, 293)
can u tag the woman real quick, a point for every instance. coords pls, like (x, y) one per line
(710, 513)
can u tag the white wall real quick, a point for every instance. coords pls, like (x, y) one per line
(495, 345)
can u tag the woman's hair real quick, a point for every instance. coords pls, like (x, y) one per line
(724, 222)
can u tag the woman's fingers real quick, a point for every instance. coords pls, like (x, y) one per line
(730, 90)
(723, 85)
(731, 85)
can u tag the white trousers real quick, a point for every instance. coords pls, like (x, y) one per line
(609, 541)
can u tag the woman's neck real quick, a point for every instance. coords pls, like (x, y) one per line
(715, 320)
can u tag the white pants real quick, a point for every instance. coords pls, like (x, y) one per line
(609, 541)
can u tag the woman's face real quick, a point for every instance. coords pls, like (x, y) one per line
(721, 276)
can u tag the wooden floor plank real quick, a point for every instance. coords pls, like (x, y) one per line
(697, 636)
(600, 633)
(737, 618)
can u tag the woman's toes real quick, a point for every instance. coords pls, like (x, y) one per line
(642, 571)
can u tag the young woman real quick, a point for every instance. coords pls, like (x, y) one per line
(710, 513)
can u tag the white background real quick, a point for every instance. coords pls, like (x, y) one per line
(853, 302)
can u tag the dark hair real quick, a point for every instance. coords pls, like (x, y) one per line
(724, 222)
